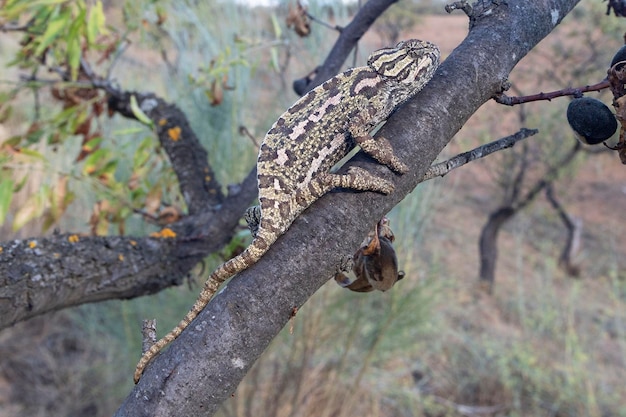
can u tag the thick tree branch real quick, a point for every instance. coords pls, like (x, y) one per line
(40, 275)
(206, 363)
(188, 157)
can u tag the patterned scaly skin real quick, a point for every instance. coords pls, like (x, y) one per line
(298, 152)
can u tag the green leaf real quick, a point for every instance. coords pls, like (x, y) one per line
(143, 153)
(138, 113)
(96, 23)
(109, 169)
(73, 56)
(32, 153)
(277, 29)
(73, 43)
(30, 209)
(53, 30)
(94, 161)
(6, 195)
(274, 59)
(46, 2)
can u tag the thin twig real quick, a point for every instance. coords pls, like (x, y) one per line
(321, 22)
(10, 27)
(576, 92)
(442, 168)
(245, 132)
(118, 54)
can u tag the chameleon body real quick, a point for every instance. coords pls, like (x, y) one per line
(298, 152)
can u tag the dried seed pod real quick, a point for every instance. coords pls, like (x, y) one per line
(591, 119)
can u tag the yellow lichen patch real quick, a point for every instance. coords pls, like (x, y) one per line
(133, 243)
(165, 233)
(73, 238)
(174, 133)
(56, 255)
(163, 122)
(120, 257)
(32, 244)
(1, 249)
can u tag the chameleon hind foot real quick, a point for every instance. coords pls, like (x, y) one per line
(253, 219)
(358, 179)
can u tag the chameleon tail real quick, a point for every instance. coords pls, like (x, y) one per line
(244, 260)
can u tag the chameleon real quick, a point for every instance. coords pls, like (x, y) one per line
(375, 263)
(299, 151)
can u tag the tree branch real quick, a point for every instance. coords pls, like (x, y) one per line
(348, 38)
(232, 332)
(501, 98)
(188, 157)
(442, 168)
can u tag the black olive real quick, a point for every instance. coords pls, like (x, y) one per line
(591, 119)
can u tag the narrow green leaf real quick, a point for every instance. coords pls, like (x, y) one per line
(6, 195)
(138, 113)
(95, 160)
(276, 25)
(143, 153)
(73, 42)
(96, 23)
(32, 153)
(46, 2)
(73, 56)
(274, 59)
(128, 131)
(53, 30)
(30, 209)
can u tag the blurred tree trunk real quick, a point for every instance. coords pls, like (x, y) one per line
(488, 246)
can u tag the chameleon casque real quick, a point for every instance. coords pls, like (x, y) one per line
(298, 152)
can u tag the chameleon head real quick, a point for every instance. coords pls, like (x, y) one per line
(409, 62)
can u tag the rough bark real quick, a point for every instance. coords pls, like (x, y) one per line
(205, 365)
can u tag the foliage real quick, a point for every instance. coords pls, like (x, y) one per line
(119, 171)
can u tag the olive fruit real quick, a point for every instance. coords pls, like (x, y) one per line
(591, 119)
